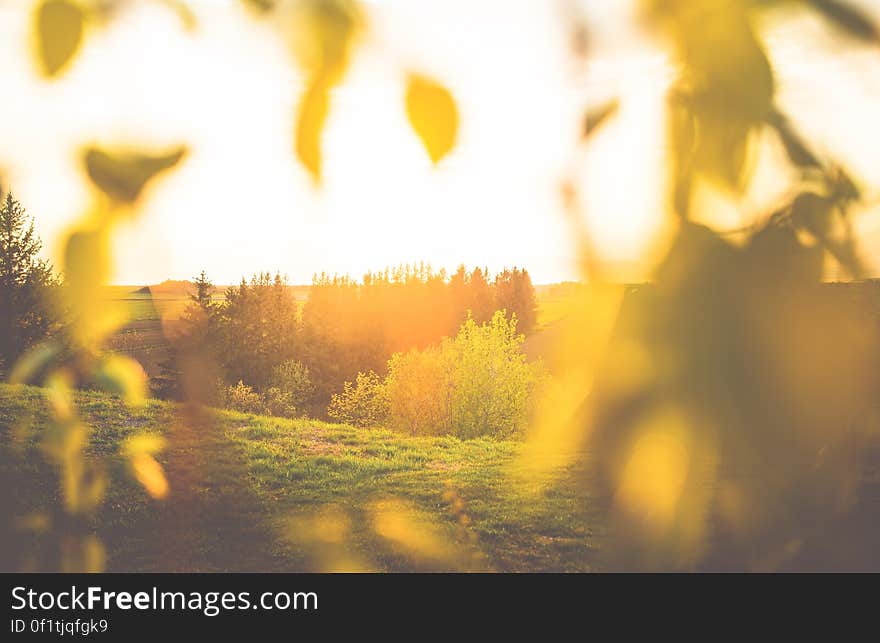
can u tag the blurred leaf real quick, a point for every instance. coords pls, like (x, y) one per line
(144, 443)
(844, 189)
(139, 450)
(123, 175)
(59, 30)
(33, 362)
(183, 11)
(816, 214)
(310, 122)
(260, 6)
(848, 18)
(122, 376)
(323, 35)
(94, 555)
(597, 116)
(59, 394)
(414, 534)
(433, 115)
(150, 474)
(795, 148)
(726, 85)
(776, 247)
(86, 270)
(36, 521)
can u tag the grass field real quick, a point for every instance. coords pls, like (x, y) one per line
(265, 494)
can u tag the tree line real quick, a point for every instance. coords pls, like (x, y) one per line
(296, 356)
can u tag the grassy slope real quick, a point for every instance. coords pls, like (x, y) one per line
(246, 490)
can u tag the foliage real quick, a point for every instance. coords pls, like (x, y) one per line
(363, 403)
(86, 262)
(419, 387)
(241, 398)
(258, 329)
(433, 114)
(478, 384)
(348, 327)
(737, 388)
(492, 381)
(292, 378)
(515, 294)
(27, 285)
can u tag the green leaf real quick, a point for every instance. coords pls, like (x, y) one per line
(59, 30)
(848, 18)
(433, 115)
(123, 175)
(34, 362)
(122, 376)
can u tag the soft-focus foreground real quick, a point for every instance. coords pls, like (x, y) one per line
(713, 404)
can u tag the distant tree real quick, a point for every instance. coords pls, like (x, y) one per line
(480, 299)
(27, 284)
(259, 329)
(192, 354)
(515, 294)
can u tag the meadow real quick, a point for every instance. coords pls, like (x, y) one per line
(253, 493)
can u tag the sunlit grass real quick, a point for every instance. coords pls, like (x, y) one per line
(241, 486)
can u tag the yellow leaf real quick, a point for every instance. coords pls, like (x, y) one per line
(122, 175)
(148, 443)
(150, 474)
(140, 449)
(260, 6)
(86, 269)
(33, 362)
(309, 126)
(433, 114)
(123, 376)
(59, 29)
(322, 35)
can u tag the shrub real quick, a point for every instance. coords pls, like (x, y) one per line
(242, 398)
(475, 385)
(418, 387)
(279, 403)
(292, 381)
(363, 403)
(492, 382)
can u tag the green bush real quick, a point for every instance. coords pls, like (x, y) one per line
(478, 384)
(291, 381)
(363, 403)
(242, 398)
(279, 403)
(419, 388)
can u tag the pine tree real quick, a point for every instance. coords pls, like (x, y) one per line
(27, 284)
(199, 323)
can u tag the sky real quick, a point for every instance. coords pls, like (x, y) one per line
(241, 202)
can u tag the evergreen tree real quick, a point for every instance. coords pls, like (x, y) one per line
(193, 350)
(27, 284)
(515, 294)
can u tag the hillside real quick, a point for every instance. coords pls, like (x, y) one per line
(255, 493)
